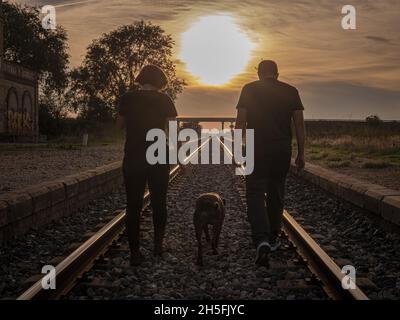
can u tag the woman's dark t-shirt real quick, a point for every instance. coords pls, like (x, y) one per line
(143, 110)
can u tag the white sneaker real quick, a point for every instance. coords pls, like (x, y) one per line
(263, 250)
(274, 245)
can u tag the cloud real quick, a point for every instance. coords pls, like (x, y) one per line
(328, 99)
(74, 3)
(378, 39)
(305, 38)
(343, 100)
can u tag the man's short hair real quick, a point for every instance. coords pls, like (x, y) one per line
(154, 75)
(268, 67)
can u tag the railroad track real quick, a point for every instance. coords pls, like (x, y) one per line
(297, 242)
(318, 261)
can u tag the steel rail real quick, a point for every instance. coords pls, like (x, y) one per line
(321, 264)
(78, 262)
(318, 261)
(84, 257)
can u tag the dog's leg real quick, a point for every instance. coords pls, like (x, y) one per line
(207, 233)
(216, 233)
(199, 231)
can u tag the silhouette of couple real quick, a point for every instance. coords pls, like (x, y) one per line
(267, 105)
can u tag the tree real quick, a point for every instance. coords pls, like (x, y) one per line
(195, 125)
(27, 43)
(373, 120)
(112, 63)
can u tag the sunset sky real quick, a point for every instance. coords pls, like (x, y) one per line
(340, 73)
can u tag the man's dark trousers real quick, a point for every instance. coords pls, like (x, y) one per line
(265, 189)
(265, 199)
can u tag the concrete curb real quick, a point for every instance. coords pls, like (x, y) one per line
(37, 205)
(382, 201)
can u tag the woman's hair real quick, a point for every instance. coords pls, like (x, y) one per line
(151, 74)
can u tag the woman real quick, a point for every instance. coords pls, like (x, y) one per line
(140, 111)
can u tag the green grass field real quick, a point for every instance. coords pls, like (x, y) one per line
(358, 145)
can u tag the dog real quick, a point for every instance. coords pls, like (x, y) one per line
(210, 210)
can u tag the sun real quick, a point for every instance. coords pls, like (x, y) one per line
(215, 49)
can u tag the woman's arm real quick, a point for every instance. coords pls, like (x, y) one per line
(167, 124)
(171, 119)
(121, 121)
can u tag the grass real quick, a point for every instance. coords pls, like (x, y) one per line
(339, 164)
(68, 146)
(376, 164)
(367, 148)
(369, 145)
(334, 158)
(316, 155)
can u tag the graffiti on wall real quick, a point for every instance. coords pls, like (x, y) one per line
(19, 121)
(19, 117)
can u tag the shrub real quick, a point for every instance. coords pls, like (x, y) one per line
(334, 158)
(339, 164)
(319, 156)
(373, 120)
(375, 164)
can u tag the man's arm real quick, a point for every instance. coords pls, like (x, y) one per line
(240, 124)
(298, 119)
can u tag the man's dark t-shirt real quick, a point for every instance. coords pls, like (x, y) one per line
(269, 108)
(143, 110)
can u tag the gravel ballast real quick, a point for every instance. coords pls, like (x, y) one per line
(22, 166)
(231, 274)
(372, 247)
(357, 236)
(26, 255)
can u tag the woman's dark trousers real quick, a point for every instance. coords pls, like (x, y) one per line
(135, 178)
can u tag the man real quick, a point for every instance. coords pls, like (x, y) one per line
(268, 106)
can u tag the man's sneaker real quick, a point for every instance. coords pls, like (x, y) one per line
(274, 245)
(263, 250)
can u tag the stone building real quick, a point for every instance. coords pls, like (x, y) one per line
(19, 113)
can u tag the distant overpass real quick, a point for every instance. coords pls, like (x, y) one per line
(222, 120)
(232, 120)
